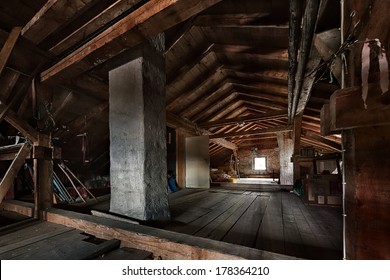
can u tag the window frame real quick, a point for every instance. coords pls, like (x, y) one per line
(254, 163)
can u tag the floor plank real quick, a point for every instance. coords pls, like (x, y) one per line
(221, 225)
(70, 245)
(245, 231)
(276, 221)
(271, 233)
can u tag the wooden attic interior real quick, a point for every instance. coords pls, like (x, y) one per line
(242, 79)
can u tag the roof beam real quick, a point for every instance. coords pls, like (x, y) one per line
(8, 47)
(251, 118)
(24, 128)
(229, 19)
(254, 132)
(51, 16)
(211, 96)
(148, 20)
(177, 122)
(325, 142)
(94, 19)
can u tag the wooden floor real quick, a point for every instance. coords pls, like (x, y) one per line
(275, 221)
(29, 239)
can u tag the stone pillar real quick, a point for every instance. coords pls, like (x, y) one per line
(286, 150)
(137, 135)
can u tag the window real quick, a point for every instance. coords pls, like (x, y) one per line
(260, 163)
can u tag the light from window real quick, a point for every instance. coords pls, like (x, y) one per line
(260, 163)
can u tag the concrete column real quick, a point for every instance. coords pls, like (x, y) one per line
(286, 150)
(138, 167)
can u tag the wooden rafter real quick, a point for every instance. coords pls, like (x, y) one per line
(254, 132)
(250, 118)
(144, 22)
(9, 45)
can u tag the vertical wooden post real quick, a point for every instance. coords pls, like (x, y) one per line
(286, 149)
(181, 158)
(43, 174)
(297, 145)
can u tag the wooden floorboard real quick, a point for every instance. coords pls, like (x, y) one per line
(33, 232)
(271, 233)
(202, 221)
(221, 225)
(276, 221)
(69, 245)
(245, 230)
(293, 243)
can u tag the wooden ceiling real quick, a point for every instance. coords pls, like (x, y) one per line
(227, 66)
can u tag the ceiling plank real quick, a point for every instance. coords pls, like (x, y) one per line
(150, 19)
(229, 19)
(275, 36)
(254, 132)
(250, 118)
(94, 19)
(203, 101)
(50, 17)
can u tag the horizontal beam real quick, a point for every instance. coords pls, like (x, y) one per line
(87, 23)
(347, 108)
(251, 118)
(253, 132)
(325, 142)
(162, 243)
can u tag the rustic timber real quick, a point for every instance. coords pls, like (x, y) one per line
(253, 132)
(250, 118)
(308, 27)
(8, 47)
(167, 245)
(296, 11)
(314, 136)
(94, 19)
(43, 23)
(347, 108)
(141, 19)
(13, 170)
(308, 82)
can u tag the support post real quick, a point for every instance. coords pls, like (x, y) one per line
(137, 135)
(286, 149)
(43, 174)
(297, 130)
